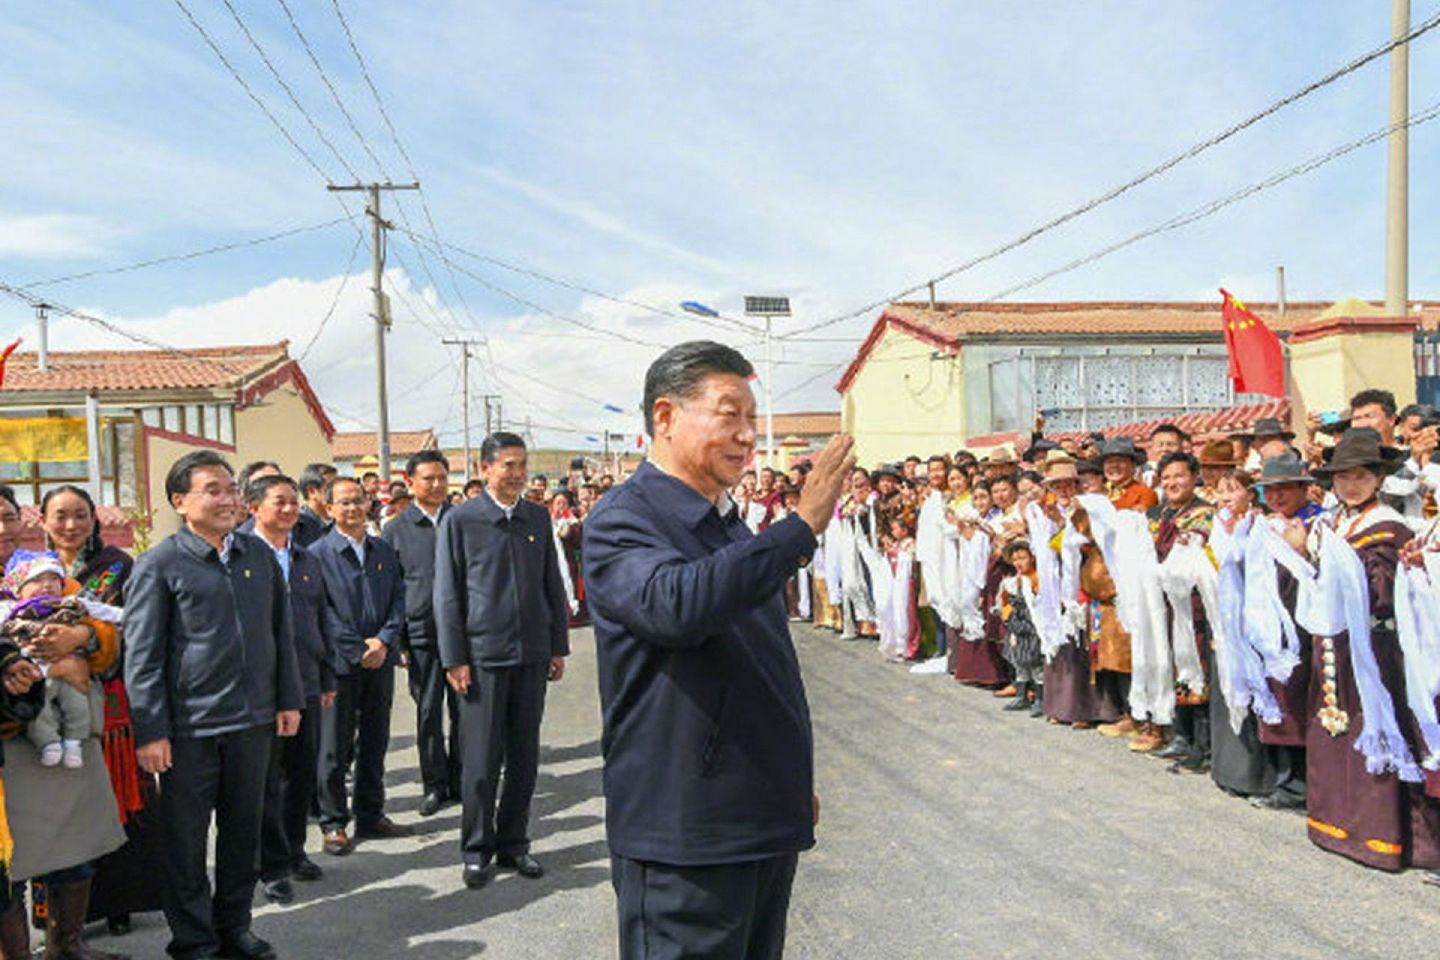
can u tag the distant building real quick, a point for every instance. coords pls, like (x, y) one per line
(151, 407)
(357, 452)
(933, 379)
(798, 436)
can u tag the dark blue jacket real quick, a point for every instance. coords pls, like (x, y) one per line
(314, 647)
(309, 528)
(707, 743)
(499, 599)
(209, 647)
(413, 537)
(360, 604)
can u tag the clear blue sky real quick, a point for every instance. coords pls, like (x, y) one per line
(832, 151)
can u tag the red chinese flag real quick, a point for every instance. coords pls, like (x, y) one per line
(1257, 363)
(4, 356)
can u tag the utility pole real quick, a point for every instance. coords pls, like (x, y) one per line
(493, 421)
(465, 346)
(378, 226)
(1397, 209)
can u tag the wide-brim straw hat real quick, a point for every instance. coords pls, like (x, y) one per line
(1003, 456)
(1361, 447)
(1059, 465)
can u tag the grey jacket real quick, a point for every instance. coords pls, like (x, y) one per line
(499, 599)
(413, 537)
(209, 647)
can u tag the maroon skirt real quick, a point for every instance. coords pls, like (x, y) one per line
(1070, 696)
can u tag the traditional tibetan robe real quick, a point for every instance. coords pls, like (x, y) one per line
(1071, 695)
(1366, 798)
(982, 662)
(1133, 495)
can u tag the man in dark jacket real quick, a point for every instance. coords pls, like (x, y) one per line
(501, 625)
(274, 504)
(212, 677)
(708, 753)
(364, 617)
(315, 520)
(412, 534)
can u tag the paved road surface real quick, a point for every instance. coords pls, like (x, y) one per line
(950, 830)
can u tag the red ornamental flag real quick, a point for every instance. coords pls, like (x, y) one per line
(1257, 362)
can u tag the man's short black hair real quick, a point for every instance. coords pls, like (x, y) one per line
(313, 478)
(1169, 428)
(242, 479)
(368, 474)
(256, 490)
(1033, 476)
(938, 458)
(1010, 478)
(474, 483)
(1384, 398)
(677, 373)
(424, 457)
(496, 442)
(1179, 456)
(177, 481)
(336, 481)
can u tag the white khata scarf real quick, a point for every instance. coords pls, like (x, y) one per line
(1269, 625)
(1417, 620)
(967, 563)
(834, 562)
(1129, 551)
(930, 548)
(1045, 607)
(1183, 573)
(1072, 544)
(1238, 665)
(1337, 600)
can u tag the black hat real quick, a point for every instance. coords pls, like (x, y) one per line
(1361, 447)
(1267, 427)
(1090, 465)
(1035, 453)
(1286, 468)
(1121, 447)
(889, 470)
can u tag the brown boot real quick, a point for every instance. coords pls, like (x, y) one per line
(1124, 727)
(1150, 739)
(15, 931)
(65, 926)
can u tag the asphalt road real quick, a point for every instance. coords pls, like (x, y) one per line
(949, 830)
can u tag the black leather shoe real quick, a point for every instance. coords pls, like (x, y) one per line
(307, 871)
(279, 891)
(1431, 877)
(246, 946)
(525, 865)
(431, 804)
(1177, 749)
(1279, 800)
(476, 875)
(383, 829)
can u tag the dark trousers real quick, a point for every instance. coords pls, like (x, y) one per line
(223, 776)
(439, 755)
(289, 789)
(357, 728)
(500, 725)
(732, 911)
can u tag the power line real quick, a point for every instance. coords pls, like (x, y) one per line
(295, 100)
(334, 303)
(179, 257)
(214, 48)
(1150, 174)
(581, 288)
(1215, 206)
(531, 305)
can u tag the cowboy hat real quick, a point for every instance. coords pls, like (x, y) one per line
(1121, 447)
(1266, 427)
(1002, 456)
(1089, 465)
(1286, 468)
(1360, 447)
(1218, 453)
(1059, 465)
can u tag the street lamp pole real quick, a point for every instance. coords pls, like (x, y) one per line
(769, 396)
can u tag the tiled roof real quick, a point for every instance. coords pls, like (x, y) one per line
(960, 320)
(1199, 426)
(804, 424)
(126, 370)
(354, 445)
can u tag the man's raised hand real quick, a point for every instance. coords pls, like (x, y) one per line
(827, 478)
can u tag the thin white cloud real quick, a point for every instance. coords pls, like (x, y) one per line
(48, 236)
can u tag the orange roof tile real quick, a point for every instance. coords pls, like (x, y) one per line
(805, 424)
(126, 370)
(357, 444)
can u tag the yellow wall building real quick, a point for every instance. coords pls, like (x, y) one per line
(245, 402)
(934, 378)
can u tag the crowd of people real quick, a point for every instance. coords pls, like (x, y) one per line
(1260, 608)
(242, 670)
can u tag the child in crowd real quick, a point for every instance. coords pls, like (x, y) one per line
(1022, 641)
(34, 584)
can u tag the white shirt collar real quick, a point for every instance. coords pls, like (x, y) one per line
(357, 545)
